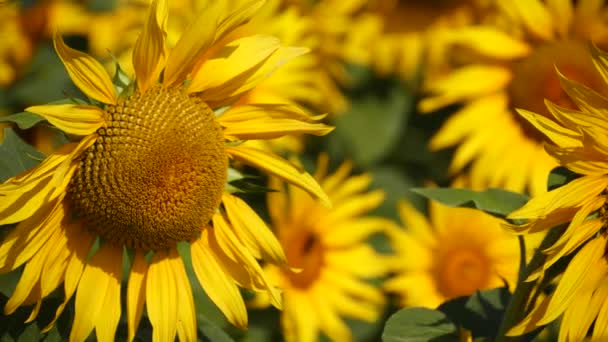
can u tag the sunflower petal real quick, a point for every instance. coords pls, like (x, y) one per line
(186, 313)
(72, 118)
(272, 129)
(88, 74)
(503, 45)
(217, 284)
(197, 37)
(230, 91)
(149, 49)
(161, 298)
(535, 16)
(279, 168)
(255, 234)
(136, 293)
(98, 295)
(583, 267)
(232, 61)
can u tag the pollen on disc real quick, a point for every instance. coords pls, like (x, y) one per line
(156, 173)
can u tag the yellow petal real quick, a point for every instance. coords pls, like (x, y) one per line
(136, 293)
(585, 98)
(273, 128)
(72, 118)
(559, 135)
(567, 196)
(583, 265)
(535, 16)
(149, 49)
(466, 83)
(98, 296)
(80, 242)
(258, 111)
(329, 321)
(232, 61)
(562, 12)
(29, 279)
(161, 298)
(88, 74)
(478, 38)
(254, 233)
(186, 313)
(600, 60)
(280, 168)
(197, 37)
(238, 260)
(353, 207)
(351, 232)
(30, 236)
(216, 282)
(416, 223)
(230, 91)
(300, 320)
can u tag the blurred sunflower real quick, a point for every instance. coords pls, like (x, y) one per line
(150, 171)
(512, 52)
(578, 142)
(455, 253)
(329, 248)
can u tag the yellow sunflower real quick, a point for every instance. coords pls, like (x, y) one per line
(578, 141)
(147, 171)
(454, 253)
(510, 57)
(330, 255)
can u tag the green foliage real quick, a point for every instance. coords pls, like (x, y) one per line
(492, 201)
(480, 313)
(560, 176)
(418, 325)
(24, 120)
(16, 155)
(372, 126)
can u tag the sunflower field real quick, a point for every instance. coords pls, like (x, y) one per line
(304, 170)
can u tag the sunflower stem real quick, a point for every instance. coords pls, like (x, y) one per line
(517, 308)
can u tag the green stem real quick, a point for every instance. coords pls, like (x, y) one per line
(517, 307)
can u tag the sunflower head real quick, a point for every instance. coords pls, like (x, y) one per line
(133, 188)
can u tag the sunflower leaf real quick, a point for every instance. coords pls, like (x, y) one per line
(495, 202)
(419, 324)
(24, 120)
(560, 176)
(480, 313)
(16, 155)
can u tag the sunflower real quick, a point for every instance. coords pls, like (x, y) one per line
(506, 61)
(329, 253)
(147, 170)
(578, 141)
(454, 253)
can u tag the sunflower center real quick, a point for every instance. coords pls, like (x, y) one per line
(461, 271)
(304, 250)
(535, 79)
(155, 174)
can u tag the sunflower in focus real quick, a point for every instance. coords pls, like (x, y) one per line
(454, 253)
(148, 169)
(512, 52)
(578, 141)
(332, 263)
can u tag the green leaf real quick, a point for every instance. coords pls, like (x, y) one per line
(16, 155)
(419, 324)
(24, 120)
(372, 126)
(481, 313)
(209, 331)
(496, 202)
(560, 176)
